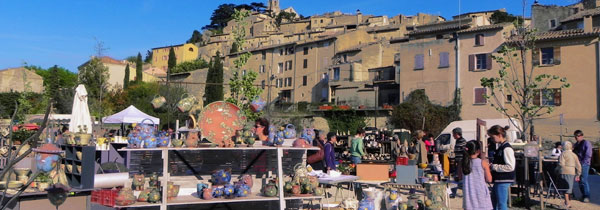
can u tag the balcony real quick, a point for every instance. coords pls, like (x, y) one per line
(383, 75)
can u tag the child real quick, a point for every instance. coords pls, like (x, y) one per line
(570, 169)
(476, 173)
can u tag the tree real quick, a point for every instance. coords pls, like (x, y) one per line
(148, 58)
(131, 59)
(126, 78)
(196, 37)
(504, 17)
(214, 87)
(188, 66)
(417, 107)
(220, 17)
(258, 7)
(61, 82)
(139, 68)
(519, 79)
(343, 121)
(283, 15)
(94, 75)
(172, 62)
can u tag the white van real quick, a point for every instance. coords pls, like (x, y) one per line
(469, 129)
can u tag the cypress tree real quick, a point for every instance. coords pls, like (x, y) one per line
(138, 68)
(172, 62)
(214, 90)
(126, 78)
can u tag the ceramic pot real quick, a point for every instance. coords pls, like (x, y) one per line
(23, 149)
(217, 192)
(296, 190)
(153, 182)
(172, 190)
(186, 104)
(221, 177)
(70, 168)
(84, 139)
(250, 141)
(78, 154)
(177, 143)
(270, 189)
(163, 139)
(150, 142)
(242, 190)
(158, 101)
(46, 157)
(125, 197)
(143, 196)
(314, 181)
(366, 204)
(308, 134)
(307, 189)
(247, 180)
(200, 188)
(192, 140)
(319, 191)
(138, 182)
(79, 169)
(288, 187)
(134, 139)
(41, 186)
(206, 193)
(154, 196)
(289, 132)
(229, 191)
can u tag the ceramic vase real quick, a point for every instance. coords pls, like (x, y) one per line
(177, 143)
(154, 196)
(125, 197)
(172, 190)
(138, 182)
(143, 196)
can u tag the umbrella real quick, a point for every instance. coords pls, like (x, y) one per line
(81, 113)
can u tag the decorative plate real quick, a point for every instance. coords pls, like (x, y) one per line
(219, 122)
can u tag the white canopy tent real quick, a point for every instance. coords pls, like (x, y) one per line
(130, 115)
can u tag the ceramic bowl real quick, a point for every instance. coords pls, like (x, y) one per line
(2, 185)
(22, 171)
(14, 184)
(78, 154)
(70, 168)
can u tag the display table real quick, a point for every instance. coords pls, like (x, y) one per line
(191, 199)
(78, 199)
(338, 182)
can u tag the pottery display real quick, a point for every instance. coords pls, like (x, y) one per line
(217, 192)
(206, 194)
(138, 182)
(247, 180)
(278, 138)
(79, 169)
(84, 139)
(154, 196)
(257, 104)
(172, 190)
(134, 139)
(164, 139)
(46, 157)
(200, 188)
(177, 143)
(22, 174)
(270, 189)
(143, 196)
(192, 140)
(307, 188)
(153, 181)
(158, 101)
(296, 190)
(125, 197)
(150, 141)
(289, 132)
(78, 154)
(308, 134)
(219, 122)
(221, 177)
(319, 191)
(229, 191)
(436, 194)
(185, 104)
(392, 200)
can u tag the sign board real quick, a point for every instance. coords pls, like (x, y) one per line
(481, 136)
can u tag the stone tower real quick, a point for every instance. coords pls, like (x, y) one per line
(274, 6)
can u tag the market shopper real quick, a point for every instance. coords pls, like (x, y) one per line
(477, 173)
(329, 151)
(421, 148)
(430, 143)
(357, 150)
(583, 149)
(503, 167)
(570, 169)
(261, 129)
(315, 158)
(558, 148)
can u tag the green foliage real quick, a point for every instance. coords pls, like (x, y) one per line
(172, 62)
(94, 75)
(519, 79)
(148, 58)
(196, 37)
(224, 13)
(139, 68)
(283, 15)
(22, 134)
(245, 87)
(409, 114)
(344, 121)
(66, 79)
(188, 66)
(504, 17)
(131, 59)
(214, 87)
(126, 77)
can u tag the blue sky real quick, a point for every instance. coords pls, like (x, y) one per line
(45, 33)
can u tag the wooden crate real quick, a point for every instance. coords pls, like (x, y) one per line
(373, 171)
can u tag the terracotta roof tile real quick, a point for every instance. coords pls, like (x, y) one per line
(564, 34)
(581, 14)
(483, 28)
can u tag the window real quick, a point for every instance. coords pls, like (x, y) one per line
(419, 62)
(479, 62)
(479, 40)
(444, 60)
(324, 92)
(277, 83)
(264, 55)
(243, 72)
(290, 50)
(345, 58)
(280, 52)
(305, 50)
(508, 99)
(321, 20)
(304, 80)
(280, 68)
(289, 81)
(262, 84)
(326, 44)
(479, 97)
(552, 23)
(325, 77)
(164, 57)
(305, 65)
(336, 74)
(288, 65)
(548, 97)
(280, 82)
(261, 69)
(191, 49)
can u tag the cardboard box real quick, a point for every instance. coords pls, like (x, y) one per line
(373, 172)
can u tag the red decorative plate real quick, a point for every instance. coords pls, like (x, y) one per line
(219, 121)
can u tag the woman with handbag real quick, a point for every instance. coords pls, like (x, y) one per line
(315, 158)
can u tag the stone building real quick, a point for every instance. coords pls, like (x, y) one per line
(183, 52)
(20, 80)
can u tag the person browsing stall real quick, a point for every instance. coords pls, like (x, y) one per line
(357, 150)
(476, 174)
(329, 151)
(570, 169)
(503, 167)
(583, 149)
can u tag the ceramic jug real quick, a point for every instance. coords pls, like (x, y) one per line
(221, 177)
(308, 134)
(229, 191)
(154, 196)
(289, 132)
(143, 197)
(206, 193)
(270, 189)
(242, 190)
(163, 139)
(158, 102)
(125, 197)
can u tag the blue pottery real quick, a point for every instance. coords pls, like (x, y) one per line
(163, 139)
(289, 132)
(229, 191)
(221, 177)
(200, 188)
(366, 204)
(217, 192)
(308, 134)
(242, 190)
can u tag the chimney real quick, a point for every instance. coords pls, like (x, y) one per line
(587, 24)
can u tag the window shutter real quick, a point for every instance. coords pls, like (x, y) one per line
(557, 97)
(471, 62)
(480, 96)
(557, 55)
(444, 60)
(536, 97)
(535, 57)
(481, 39)
(419, 64)
(488, 61)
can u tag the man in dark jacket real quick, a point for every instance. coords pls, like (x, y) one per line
(583, 150)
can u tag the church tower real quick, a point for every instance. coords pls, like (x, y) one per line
(274, 6)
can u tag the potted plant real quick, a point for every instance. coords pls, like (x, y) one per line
(21, 135)
(84, 136)
(325, 107)
(43, 181)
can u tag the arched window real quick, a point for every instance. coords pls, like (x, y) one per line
(191, 49)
